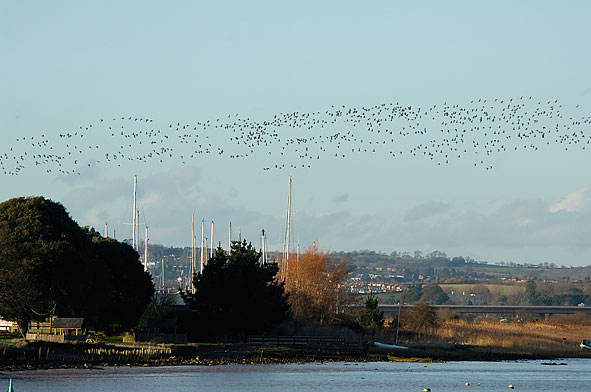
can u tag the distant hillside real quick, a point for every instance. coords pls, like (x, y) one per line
(369, 265)
(437, 265)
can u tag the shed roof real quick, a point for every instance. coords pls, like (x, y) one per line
(67, 323)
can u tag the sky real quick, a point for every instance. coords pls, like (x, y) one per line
(459, 126)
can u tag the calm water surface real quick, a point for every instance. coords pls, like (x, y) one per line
(342, 377)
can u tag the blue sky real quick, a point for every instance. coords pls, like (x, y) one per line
(67, 65)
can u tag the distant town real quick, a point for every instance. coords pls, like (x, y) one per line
(390, 275)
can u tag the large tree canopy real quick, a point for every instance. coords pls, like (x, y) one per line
(125, 289)
(47, 262)
(236, 295)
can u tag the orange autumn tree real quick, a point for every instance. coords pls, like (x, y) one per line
(314, 284)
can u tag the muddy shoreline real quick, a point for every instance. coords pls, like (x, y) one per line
(45, 355)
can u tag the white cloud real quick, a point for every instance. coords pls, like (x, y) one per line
(579, 201)
(526, 230)
(521, 231)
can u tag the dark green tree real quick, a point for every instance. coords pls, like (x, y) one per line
(236, 295)
(125, 289)
(531, 296)
(160, 307)
(39, 245)
(49, 265)
(413, 294)
(372, 317)
(433, 294)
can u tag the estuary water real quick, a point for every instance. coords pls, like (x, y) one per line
(340, 376)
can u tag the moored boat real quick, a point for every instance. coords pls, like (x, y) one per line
(390, 346)
(393, 358)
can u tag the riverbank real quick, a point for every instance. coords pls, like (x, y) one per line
(45, 355)
(48, 355)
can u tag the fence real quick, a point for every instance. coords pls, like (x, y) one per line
(306, 341)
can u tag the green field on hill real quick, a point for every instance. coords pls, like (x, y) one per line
(499, 289)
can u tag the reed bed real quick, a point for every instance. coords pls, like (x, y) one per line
(532, 336)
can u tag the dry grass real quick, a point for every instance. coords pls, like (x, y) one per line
(535, 336)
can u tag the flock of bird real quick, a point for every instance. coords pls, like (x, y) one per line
(474, 132)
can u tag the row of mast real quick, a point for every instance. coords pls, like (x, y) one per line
(204, 256)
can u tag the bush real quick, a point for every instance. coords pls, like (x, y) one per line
(372, 318)
(421, 319)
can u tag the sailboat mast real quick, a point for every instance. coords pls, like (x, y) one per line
(138, 239)
(230, 238)
(287, 225)
(202, 260)
(146, 251)
(263, 247)
(211, 242)
(163, 276)
(133, 240)
(193, 251)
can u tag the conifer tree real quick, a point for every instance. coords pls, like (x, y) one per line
(236, 295)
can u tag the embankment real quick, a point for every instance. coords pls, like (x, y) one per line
(45, 355)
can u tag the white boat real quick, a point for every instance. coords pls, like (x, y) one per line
(392, 346)
(586, 344)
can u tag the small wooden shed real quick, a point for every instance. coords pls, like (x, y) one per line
(66, 326)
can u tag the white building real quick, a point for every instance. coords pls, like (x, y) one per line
(7, 326)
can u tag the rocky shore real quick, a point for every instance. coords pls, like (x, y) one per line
(45, 355)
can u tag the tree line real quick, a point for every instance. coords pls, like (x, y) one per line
(50, 266)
